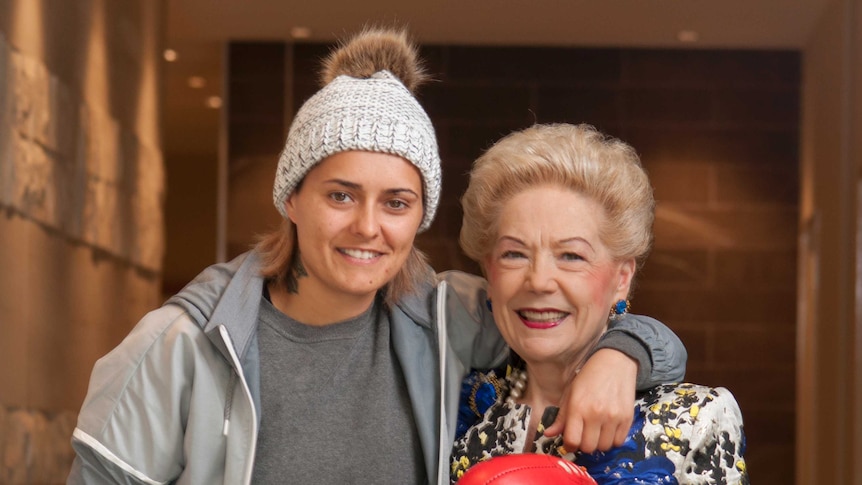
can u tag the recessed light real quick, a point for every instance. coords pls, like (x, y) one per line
(300, 32)
(197, 82)
(687, 36)
(170, 55)
(214, 102)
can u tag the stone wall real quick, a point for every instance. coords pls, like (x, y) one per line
(35, 445)
(81, 210)
(73, 168)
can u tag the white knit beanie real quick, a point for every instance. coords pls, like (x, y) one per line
(377, 114)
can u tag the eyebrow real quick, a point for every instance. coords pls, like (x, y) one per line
(562, 241)
(575, 239)
(355, 186)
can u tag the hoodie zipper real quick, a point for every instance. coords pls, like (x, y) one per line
(442, 341)
(237, 373)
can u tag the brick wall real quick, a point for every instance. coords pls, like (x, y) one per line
(718, 133)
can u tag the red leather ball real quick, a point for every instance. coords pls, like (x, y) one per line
(526, 469)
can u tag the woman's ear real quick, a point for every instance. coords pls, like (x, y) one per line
(290, 207)
(626, 276)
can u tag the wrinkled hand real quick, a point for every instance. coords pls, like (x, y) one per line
(598, 406)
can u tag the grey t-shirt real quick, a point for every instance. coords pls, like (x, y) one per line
(335, 407)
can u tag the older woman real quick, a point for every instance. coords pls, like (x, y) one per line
(560, 218)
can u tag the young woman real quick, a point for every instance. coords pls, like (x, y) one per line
(330, 353)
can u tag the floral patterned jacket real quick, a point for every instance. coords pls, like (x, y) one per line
(682, 434)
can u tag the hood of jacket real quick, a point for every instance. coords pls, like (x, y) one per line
(226, 295)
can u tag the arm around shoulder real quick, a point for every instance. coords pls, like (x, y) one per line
(661, 355)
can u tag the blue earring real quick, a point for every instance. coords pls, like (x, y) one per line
(488, 304)
(619, 309)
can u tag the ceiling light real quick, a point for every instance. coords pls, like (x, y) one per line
(687, 36)
(197, 82)
(300, 32)
(170, 55)
(214, 102)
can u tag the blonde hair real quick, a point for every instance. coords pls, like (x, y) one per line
(576, 157)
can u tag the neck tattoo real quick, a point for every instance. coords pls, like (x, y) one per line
(297, 270)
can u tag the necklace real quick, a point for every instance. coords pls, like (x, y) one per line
(517, 380)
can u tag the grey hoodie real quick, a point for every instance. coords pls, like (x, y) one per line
(178, 400)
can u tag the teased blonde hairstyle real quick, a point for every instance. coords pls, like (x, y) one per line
(580, 158)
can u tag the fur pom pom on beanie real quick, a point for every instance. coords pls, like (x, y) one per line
(366, 104)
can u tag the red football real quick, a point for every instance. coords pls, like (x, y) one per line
(526, 469)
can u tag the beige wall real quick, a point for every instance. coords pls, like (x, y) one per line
(81, 194)
(829, 345)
